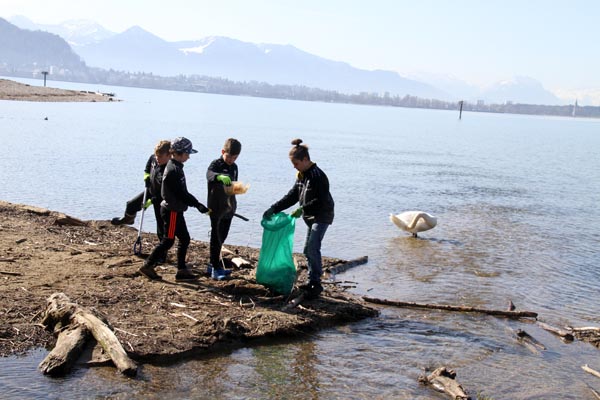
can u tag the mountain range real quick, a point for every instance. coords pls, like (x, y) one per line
(137, 50)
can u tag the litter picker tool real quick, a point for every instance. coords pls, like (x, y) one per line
(241, 217)
(137, 246)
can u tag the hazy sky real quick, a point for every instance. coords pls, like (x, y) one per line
(479, 41)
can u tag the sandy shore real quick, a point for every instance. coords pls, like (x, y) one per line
(44, 252)
(11, 90)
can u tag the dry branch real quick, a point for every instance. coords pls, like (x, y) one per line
(567, 336)
(589, 370)
(503, 313)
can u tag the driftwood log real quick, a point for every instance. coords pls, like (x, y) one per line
(336, 269)
(74, 325)
(502, 313)
(444, 380)
(589, 370)
(565, 335)
(529, 341)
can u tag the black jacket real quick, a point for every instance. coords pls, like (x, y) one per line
(221, 204)
(156, 173)
(311, 190)
(174, 189)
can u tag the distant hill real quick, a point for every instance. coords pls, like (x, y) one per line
(22, 49)
(137, 50)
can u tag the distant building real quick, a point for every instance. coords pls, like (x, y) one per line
(480, 103)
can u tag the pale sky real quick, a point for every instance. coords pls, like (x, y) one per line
(478, 41)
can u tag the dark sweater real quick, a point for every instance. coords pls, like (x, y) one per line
(220, 203)
(174, 188)
(311, 190)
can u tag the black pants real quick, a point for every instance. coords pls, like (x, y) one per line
(134, 205)
(218, 233)
(174, 227)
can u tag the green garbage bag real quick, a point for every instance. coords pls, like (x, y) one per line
(276, 269)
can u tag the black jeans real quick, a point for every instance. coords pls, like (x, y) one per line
(174, 227)
(218, 234)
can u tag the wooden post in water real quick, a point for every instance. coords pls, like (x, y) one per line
(44, 73)
(460, 103)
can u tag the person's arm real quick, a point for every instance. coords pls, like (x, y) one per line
(288, 200)
(211, 172)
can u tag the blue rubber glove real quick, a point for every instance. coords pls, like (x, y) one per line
(224, 179)
(297, 213)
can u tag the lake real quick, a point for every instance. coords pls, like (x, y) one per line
(518, 220)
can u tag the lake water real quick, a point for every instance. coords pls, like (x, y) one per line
(517, 200)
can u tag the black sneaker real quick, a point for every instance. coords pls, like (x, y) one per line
(184, 275)
(149, 273)
(126, 220)
(312, 290)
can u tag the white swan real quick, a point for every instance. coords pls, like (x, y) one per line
(414, 221)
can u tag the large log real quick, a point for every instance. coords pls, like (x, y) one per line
(68, 347)
(61, 313)
(443, 379)
(336, 269)
(503, 313)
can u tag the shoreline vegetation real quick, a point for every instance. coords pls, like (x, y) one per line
(11, 90)
(211, 85)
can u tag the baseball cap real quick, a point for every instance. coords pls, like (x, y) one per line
(182, 145)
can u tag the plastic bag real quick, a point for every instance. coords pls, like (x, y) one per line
(276, 269)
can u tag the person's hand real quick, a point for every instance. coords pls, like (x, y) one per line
(148, 203)
(203, 209)
(224, 179)
(297, 213)
(269, 213)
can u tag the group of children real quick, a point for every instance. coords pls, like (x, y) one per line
(166, 190)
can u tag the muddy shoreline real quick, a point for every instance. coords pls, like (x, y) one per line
(11, 90)
(43, 252)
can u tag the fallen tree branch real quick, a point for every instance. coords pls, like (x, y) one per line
(10, 273)
(589, 370)
(443, 380)
(529, 341)
(567, 336)
(336, 269)
(503, 313)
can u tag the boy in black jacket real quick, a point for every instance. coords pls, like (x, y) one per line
(176, 200)
(221, 172)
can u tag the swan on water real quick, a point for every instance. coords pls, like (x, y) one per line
(414, 221)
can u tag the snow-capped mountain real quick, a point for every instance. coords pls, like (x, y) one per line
(75, 32)
(137, 50)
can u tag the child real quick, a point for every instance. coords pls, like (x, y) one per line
(176, 200)
(152, 179)
(311, 190)
(221, 172)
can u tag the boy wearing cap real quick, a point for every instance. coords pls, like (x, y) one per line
(221, 172)
(176, 200)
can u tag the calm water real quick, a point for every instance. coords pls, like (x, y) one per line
(517, 204)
